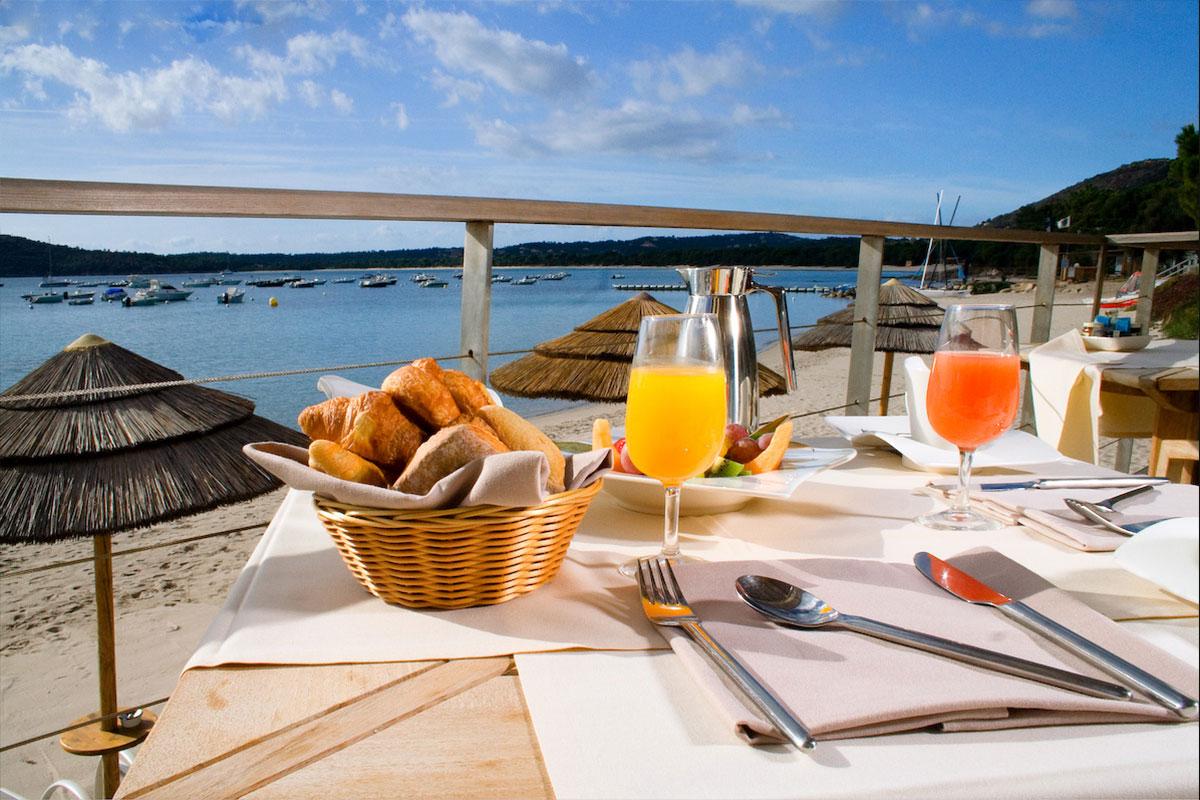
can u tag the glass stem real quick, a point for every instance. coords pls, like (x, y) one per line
(962, 500)
(670, 547)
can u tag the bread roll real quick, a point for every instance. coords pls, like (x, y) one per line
(429, 365)
(520, 434)
(379, 431)
(333, 459)
(443, 453)
(418, 392)
(325, 420)
(468, 393)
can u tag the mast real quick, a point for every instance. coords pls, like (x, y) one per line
(937, 220)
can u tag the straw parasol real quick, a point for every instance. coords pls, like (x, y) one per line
(592, 361)
(79, 458)
(907, 322)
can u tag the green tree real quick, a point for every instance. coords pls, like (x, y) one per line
(1184, 169)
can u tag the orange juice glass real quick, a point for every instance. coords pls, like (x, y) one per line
(972, 396)
(675, 422)
(675, 414)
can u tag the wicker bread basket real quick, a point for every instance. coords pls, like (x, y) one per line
(455, 557)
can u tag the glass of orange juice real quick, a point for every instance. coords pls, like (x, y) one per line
(972, 396)
(675, 412)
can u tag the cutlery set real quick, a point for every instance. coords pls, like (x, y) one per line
(783, 603)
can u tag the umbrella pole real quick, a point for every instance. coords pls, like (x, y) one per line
(885, 387)
(106, 644)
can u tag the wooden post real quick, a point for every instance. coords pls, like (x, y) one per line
(106, 648)
(1098, 291)
(1146, 288)
(1043, 297)
(1043, 309)
(476, 308)
(866, 312)
(885, 385)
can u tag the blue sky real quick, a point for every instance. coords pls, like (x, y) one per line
(828, 107)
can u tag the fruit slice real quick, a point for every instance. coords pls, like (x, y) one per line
(601, 433)
(727, 468)
(772, 457)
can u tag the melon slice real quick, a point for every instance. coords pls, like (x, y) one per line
(772, 457)
(601, 434)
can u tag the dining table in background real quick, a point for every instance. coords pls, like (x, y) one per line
(468, 727)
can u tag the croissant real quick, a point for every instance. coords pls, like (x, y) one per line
(370, 426)
(468, 393)
(422, 394)
(333, 459)
(429, 365)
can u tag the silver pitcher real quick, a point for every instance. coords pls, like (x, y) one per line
(723, 291)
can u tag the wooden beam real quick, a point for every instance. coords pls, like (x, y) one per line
(106, 651)
(862, 337)
(476, 306)
(1043, 297)
(1146, 288)
(32, 196)
(1098, 290)
(1181, 239)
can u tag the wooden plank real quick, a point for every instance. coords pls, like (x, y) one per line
(1043, 296)
(476, 305)
(1146, 288)
(261, 761)
(1098, 289)
(106, 649)
(862, 337)
(1186, 239)
(33, 196)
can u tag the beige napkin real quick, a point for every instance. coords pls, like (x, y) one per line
(514, 480)
(1044, 512)
(842, 684)
(1070, 410)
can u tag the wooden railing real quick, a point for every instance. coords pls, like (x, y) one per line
(481, 214)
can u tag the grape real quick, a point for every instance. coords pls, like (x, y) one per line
(627, 464)
(744, 450)
(764, 441)
(735, 432)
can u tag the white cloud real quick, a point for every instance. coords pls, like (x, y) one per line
(311, 93)
(802, 8)
(84, 26)
(1052, 9)
(11, 34)
(307, 53)
(389, 26)
(400, 116)
(277, 10)
(691, 74)
(519, 65)
(456, 89)
(149, 99)
(341, 101)
(746, 115)
(633, 128)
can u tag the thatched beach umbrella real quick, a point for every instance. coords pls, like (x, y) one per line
(592, 361)
(79, 458)
(908, 322)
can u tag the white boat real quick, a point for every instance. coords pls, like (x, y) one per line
(421, 277)
(343, 280)
(528, 280)
(375, 282)
(135, 282)
(43, 297)
(199, 283)
(1127, 296)
(81, 301)
(434, 283)
(141, 297)
(231, 295)
(303, 283)
(50, 283)
(938, 283)
(166, 293)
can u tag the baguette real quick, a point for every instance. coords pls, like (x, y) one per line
(335, 460)
(517, 433)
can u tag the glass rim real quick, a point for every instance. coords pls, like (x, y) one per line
(983, 306)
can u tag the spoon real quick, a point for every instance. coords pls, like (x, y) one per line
(1098, 512)
(782, 602)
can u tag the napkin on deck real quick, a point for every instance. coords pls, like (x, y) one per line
(1044, 512)
(513, 480)
(842, 684)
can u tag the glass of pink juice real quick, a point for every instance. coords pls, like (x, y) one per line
(675, 410)
(972, 396)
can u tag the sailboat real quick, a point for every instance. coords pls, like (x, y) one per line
(931, 285)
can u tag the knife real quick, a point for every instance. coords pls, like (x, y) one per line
(1064, 483)
(965, 587)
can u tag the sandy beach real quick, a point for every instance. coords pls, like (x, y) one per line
(166, 596)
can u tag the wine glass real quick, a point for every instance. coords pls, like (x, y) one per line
(675, 413)
(972, 396)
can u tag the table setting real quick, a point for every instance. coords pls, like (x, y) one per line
(849, 634)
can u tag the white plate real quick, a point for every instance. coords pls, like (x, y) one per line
(861, 431)
(718, 495)
(1166, 554)
(1118, 344)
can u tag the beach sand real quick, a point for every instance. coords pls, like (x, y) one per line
(165, 597)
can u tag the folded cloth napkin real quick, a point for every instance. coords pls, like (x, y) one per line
(515, 479)
(1044, 512)
(916, 381)
(842, 684)
(1069, 408)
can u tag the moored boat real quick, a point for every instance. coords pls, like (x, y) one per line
(199, 283)
(231, 295)
(50, 283)
(69, 296)
(528, 280)
(39, 298)
(434, 283)
(303, 283)
(113, 293)
(81, 301)
(374, 282)
(166, 293)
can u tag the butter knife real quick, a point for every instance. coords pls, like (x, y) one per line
(966, 587)
(1092, 482)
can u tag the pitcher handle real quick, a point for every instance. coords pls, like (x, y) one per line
(785, 332)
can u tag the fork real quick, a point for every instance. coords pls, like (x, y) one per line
(664, 604)
(1098, 512)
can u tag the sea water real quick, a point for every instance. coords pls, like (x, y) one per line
(335, 325)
